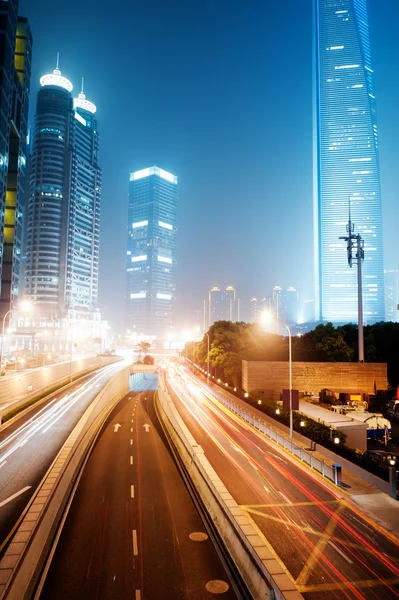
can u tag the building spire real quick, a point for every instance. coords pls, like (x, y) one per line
(55, 78)
(81, 102)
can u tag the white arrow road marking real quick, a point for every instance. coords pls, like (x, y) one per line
(116, 427)
(3, 463)
(15, 495)
(146, 427)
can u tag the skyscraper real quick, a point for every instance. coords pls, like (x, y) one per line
(392, 295)
(62, 246)
(223, 305)
(151, 251)
(346, 166)
(15, 67)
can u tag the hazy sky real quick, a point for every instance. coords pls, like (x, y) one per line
(220, 94)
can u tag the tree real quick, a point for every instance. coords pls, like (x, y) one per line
(148, 359)
(143, 347)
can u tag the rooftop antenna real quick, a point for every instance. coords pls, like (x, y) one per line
(83, 81)
(353, 240)
(58, 61)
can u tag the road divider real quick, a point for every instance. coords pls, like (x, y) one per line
(259, 567)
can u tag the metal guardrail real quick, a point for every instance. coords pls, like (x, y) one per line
(306, 456)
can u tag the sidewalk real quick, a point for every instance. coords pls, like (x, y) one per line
(377, 505)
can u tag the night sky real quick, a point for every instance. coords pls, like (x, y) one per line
(220, 94)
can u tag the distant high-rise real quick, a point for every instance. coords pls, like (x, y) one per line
(222, 305)
(63, 228)
(392, 295)
(347, 166)
(15, 68)
(151, 251)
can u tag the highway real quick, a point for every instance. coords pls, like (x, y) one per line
(326, 545)
(132, 531)
(28, 446)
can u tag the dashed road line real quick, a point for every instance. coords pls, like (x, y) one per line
(15, 495)
(137, 595)
(285, 497)
(131, 460)
(132, 491)
(135, 547)
(340, 552)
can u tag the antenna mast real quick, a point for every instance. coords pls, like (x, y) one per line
(353, 240)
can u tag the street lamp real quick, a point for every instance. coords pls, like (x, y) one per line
(267, 318)
(24, 306)
(207, 335)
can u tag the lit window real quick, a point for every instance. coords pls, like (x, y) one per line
(164, 259)
(165, 225)
(164, 296)
(138, 295)
(140, 224)
(138, 258)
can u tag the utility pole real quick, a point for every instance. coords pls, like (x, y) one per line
(353, 240)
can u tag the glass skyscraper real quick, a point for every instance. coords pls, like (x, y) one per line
(346, 166)
(15, 68)
(63, 227)
(151, 251)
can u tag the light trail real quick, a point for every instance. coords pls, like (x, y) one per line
(49, 415)
(347, 540)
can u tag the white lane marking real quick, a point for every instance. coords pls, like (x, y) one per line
(137, 595)
(285, 497)
(132, 420)
(132, 491)
(340, 552)
(131, 429)
(254, 466)
(131, 442)
(15, 495)
(135, 547)
(131, 460)
(276, 456)
(3, 463)
(266, 488)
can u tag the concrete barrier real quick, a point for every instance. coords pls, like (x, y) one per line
(20, 390)
(26, 555)
(262, 572)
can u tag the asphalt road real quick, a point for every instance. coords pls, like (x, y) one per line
(127, 534)
(28, 447)
(327, 546)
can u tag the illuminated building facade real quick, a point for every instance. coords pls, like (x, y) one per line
(151, 251)
(222, 305)
(346, 166)
(63, 221)
(392, 295)
(15, 68)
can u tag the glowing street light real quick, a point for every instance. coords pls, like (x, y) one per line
(25, 306)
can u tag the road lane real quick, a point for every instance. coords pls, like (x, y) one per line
(28, 447)
(294, 512)
(127, 534)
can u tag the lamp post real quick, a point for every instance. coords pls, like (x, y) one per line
(25, 305)
(207, 335)
(267, 317)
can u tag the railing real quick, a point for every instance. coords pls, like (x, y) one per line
(306, 456)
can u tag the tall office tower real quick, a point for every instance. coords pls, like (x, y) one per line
(15, 67)
(392, 295)
(223, 305)
(346, 168)
(62, 246)
(151, 251)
